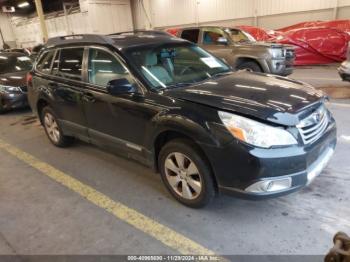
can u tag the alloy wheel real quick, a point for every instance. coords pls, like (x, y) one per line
(52, 127)
(183, 176)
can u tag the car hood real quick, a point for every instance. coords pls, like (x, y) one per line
(13, 79)
(267, 97)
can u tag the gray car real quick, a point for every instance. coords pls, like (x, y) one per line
(240, 50)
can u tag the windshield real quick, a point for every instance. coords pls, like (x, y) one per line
(171, 66)
(239, 36)
(14, 63)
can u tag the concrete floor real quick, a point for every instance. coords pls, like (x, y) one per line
(319, 76)
(324, 77)
(40, 216)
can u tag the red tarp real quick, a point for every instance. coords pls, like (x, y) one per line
(258, 33)
(315, 42)
(172, 31)
(317, 45)
(343, 25)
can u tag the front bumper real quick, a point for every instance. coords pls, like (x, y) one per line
(238, 166)
(13, 101)
(282, 67)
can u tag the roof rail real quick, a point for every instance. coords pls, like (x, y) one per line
(141, 32)
(83, 38)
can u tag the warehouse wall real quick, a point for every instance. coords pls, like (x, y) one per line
(265, 13)
(95, 16)
(28, 32)
(6, 29)
(344, 12)
(287, 19)
(109, 16)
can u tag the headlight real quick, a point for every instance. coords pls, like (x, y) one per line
(277, 52)
(9, 89)
(256, 133)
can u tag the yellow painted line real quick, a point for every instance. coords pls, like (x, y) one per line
(145, 224)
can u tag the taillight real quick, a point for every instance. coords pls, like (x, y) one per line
(29, 79)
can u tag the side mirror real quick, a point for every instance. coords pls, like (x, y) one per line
(120, 86)
(222, 41)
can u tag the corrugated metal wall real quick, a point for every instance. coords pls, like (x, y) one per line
(28, 33)
(271, 7)
(224, 9)
(96, 16)
(165, 13)
(168, 12)
(344, 3)
(108, 16)
(6, 29)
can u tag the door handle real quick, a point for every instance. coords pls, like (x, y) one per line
(88, 97)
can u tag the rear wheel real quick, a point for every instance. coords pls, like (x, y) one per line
(186, 174)
(53, 130)
(250, 65)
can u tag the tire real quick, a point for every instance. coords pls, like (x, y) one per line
(192, 184)
(53, 130)
(250, 65)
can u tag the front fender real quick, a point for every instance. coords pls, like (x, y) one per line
(208, 133)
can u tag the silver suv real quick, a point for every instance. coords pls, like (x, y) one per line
(240, 50)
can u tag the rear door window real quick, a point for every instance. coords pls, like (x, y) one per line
(44, 65)
(70, 61)
(191, 35)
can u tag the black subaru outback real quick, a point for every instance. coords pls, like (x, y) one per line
(170, 105)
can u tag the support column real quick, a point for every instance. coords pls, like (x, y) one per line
(146, 10)
(256, 22)
(335, 10)
(39, 10)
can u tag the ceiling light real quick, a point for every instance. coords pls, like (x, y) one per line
(24, 4)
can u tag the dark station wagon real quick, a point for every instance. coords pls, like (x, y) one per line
(173, 106)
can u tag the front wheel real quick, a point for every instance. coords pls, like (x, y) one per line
(53, 130)
(186, 174)
(250, 65)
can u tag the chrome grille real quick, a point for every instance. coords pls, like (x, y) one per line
(312, 127)
(290, 54)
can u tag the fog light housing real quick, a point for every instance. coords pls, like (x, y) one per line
(273, 185)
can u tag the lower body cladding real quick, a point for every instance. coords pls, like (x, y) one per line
(256, 173)
(13, 101)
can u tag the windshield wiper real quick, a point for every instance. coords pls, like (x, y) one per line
(178, 85)
(221, 74)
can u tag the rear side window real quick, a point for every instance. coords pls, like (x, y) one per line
(44, 65)
(191, 35)
(70, 62)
